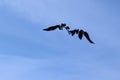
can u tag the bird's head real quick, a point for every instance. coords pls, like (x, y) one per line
(63, 24)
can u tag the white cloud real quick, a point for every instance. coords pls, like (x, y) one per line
(33, 9)
(54, 68)
(53, 11)
(15, 68)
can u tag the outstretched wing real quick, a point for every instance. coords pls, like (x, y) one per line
(51, 28)
(88, 38)
(80, 34)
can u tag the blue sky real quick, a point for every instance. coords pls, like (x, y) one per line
(29, 53)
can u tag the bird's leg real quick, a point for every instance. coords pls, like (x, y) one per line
(68, 29)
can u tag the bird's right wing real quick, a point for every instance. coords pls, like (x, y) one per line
(88, 38)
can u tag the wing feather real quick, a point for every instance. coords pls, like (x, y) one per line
(88, 38)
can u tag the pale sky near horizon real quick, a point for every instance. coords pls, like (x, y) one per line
(29, 53)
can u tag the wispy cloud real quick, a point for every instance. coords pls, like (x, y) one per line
(14, 67)
(36, 10)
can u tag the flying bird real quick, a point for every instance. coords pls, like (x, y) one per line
(80, 33)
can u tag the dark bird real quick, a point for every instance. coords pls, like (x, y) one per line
(81, 33)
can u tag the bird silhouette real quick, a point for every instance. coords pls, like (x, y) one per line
(81, 33)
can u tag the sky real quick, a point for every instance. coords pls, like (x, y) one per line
(29, 53)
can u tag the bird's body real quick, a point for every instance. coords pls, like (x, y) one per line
(76, 31)
(73, 32)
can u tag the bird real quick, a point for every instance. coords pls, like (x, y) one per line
(51, 28)
(81, 33)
